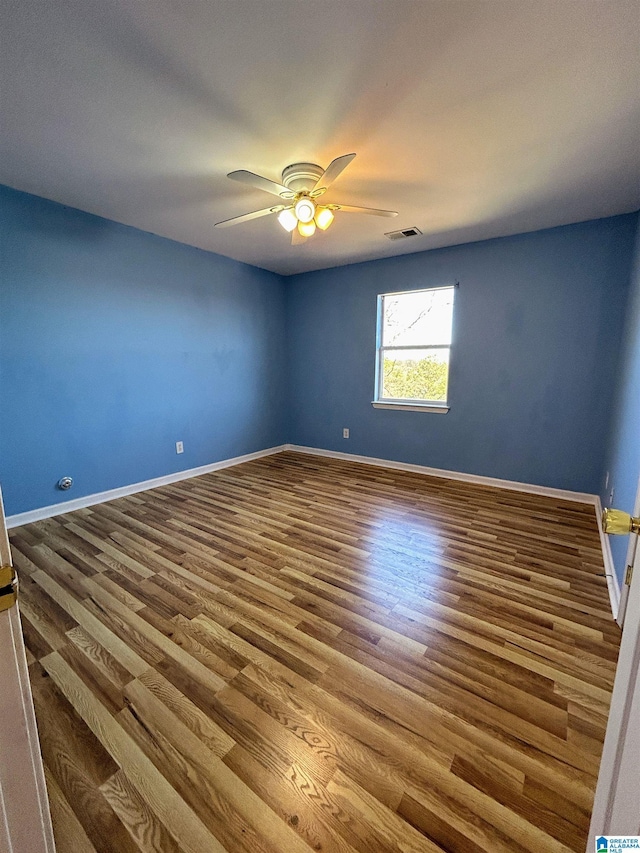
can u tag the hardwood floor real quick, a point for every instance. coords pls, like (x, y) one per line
(303, 654)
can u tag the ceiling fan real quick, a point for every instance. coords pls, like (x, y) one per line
(302, 184)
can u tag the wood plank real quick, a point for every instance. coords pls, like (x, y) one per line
(68, 834)
(150, 835)
(150, 784)
(308, 654)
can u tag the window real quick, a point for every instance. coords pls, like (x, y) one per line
(414, 344)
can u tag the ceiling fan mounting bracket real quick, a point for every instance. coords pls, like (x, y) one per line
(301, 177)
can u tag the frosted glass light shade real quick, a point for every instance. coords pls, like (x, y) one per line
(307, 229)
(305, 210)
(324, 218)
(287, 219)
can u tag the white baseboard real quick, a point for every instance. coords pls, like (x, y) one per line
(121, 492)
(613, 584)
(513, 485)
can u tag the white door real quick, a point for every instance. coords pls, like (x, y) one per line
(616, 810)
(25, 823)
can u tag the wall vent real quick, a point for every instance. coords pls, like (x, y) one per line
(403, 232)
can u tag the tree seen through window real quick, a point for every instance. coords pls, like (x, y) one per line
(414, 336)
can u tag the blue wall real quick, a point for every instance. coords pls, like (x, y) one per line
(115, 343)
(537, 329)
(623, 458)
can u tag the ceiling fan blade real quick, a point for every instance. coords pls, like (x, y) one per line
(260, 183)
(247, 216)
(296, 238)
(335, 168)
(373, 211)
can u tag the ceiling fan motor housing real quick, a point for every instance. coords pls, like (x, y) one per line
(301, 177)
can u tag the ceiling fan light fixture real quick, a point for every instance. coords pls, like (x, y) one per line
(307, 229)
(287, 219)
(305, 210)
(323, 218)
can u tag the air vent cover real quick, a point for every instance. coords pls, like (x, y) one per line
(403, 232)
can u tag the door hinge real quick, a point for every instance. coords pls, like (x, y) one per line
(8, 587)
(628, 575)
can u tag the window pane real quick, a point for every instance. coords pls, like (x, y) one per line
(417, 319)
(415, 374)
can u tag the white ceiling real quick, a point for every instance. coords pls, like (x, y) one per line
(472, 119)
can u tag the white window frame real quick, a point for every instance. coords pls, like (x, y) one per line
(380, 402)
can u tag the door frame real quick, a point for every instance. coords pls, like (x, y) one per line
(25, 820)
(629, 560)
(616, 807)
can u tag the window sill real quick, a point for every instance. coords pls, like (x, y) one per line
(412, 407)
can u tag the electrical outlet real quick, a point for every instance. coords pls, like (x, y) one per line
(179, 447)
(345, 432)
